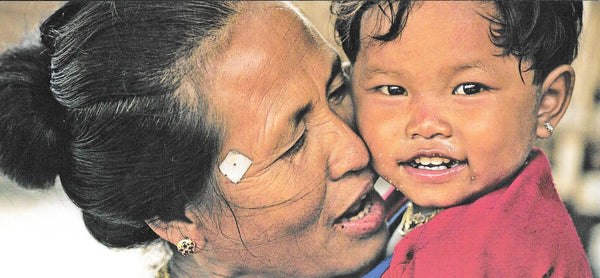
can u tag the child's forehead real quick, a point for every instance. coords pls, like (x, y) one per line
(447, 28)
(377, 20)
(440, 37)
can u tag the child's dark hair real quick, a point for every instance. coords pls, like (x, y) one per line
(543, 33)
(96, 102)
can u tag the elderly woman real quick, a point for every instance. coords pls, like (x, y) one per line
(203, 124)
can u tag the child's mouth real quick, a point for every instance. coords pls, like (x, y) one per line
(432, 163)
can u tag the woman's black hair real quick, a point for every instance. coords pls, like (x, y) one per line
(543, 33)
(95, 101)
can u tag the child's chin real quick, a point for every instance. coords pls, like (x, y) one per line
(436, 203)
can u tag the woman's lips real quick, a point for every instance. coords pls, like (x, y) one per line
(365, 219)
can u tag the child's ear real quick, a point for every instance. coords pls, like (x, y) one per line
(556, 91)
(175, 231)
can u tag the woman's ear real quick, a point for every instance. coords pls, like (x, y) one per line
(175, 231)
(556, 91)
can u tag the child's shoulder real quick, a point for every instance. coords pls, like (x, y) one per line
(520, 229)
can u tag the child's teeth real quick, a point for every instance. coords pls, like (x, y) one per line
(436, 160)
(433, 163)
(440, 167)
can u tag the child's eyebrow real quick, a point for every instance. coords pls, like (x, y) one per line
(473, 65)
(369, 71)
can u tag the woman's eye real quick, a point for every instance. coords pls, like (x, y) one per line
(392, 90)
(469, 89)
(297, 146)
(336, 96)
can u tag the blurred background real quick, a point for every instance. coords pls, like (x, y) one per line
(42, 233)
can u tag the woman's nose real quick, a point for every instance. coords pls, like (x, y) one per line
(348, 152)
(427, 119)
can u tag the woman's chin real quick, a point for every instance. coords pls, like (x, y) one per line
(366, 235)
(360, 262)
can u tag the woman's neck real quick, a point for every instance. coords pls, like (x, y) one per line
(195, 266)
(184, 267)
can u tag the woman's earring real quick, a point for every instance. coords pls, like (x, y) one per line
(549, 127)
(186, 246)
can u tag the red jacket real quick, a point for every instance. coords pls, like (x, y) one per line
(522, 230)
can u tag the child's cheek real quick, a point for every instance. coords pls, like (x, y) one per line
(380, 146)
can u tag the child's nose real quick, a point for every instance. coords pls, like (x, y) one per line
(427, 119)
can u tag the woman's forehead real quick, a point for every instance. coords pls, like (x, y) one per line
(266, 50)
(272, 67)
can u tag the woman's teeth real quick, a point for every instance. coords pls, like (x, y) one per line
(360, 215)
(433, 163)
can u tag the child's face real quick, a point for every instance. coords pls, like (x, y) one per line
(444, 116)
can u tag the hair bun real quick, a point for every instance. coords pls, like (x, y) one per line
(118, 235)
(29, 141)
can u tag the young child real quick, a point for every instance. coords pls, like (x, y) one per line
(450, 97)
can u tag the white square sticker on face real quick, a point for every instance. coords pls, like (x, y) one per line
(234, 166)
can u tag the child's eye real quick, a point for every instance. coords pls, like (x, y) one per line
(391, 90)
(469, 89)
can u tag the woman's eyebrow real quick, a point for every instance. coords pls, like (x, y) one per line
(299, 115)
(336, 69)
